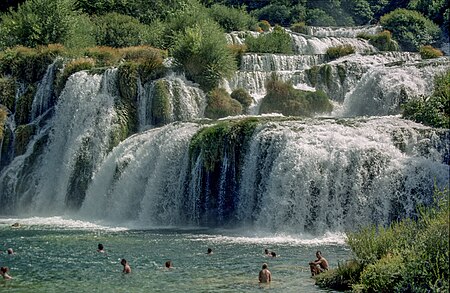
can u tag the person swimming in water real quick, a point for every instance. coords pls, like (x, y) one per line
(209, 251)
(168, 264)
(126, 266)
(100, 248)
(265, 276)
(4, 273)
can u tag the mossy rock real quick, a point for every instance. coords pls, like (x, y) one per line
(339, 51)
(23, 136)
(3, 117)
(125, 124)
(161, 106)
(7, 92)
(70, 68)
(24, 106)
(283, 98)
(220, 104)
(128, 76)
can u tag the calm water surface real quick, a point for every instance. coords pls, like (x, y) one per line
(55, 255)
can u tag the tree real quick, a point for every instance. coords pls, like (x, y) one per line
(410, 28)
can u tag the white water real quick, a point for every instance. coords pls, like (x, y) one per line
(43, 98)
(81, 126)
(297, 177)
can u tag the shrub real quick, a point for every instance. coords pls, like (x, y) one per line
(202, 53)
(118, 30)
(410, 28)
(220, 105)
(428, 52)
(161, 109)
(318, 17)
(382, 41)
(231, 19)
(36, 22)
(282, 98)
(238, 51)
(300, 27)
(242, 97)
(274, 14)
(28, 64)
(264, 25)
(82, 33)
(339, 51)
(277, 41)
(341, 278)
(103, 56)
(7, 92)
(434, 110)
(384, 275)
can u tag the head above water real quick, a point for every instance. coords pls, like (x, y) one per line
(100, 246)
(273, 254)
(168, 264)
(264, 266)
(209, 250)
(318, 253)
(123, 261)
(4, 269)
(266, 251)
(10, 251)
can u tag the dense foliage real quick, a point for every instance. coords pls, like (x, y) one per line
(283, 98)
(433, 110)
(407, 256)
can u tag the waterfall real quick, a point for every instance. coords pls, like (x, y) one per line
(296, 176)
(43, 99)
(78, 141)
(185, 101)
(346, 32)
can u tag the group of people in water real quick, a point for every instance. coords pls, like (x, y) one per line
(317, 266)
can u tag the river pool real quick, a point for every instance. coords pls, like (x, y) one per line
(59, 255)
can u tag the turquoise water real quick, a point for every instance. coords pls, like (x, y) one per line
(60, 256)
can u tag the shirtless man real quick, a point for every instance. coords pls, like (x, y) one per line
(100, 248)
(126, 266)
(265, 276)
(319, 265)
(4, 273)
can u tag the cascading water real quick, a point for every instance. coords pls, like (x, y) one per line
(297, 176)
(44, 98)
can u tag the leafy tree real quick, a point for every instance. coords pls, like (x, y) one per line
(318, 17)
(433, 9)
(201, 51)
(410, 28)
(359, 10)
(275, 14)
(37, 22)
(118, 30)
(231, 19)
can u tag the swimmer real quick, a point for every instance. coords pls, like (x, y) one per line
(126, 266)
(10, 251)
(266, 252)
(4, 273)
(273, 254)
(168, 264)
(265, 276)
(209, 251)
(100, 248)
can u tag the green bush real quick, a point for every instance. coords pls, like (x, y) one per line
(264, 25)
(202, 53)
(242, 97)
(161, 109)
(384, 275)
(275, 14)
(434, 110)
(28, 64)
(428, 52)
(220, 105)
(341, 278)
(282, 98)
(318, 17)
(299, 27)
(410, 28)
(103, 56)
(231, 19)
(339, 51)
(407, 256)
(118, 30)
(38, 22)
(278, 41)
(382, 41)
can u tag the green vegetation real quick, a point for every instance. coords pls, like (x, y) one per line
(23, 136)
(211, 141)
(201, 52)
(7, 92)
(220, 105)
(428, 52)
(382, 41)
(339, 51)
(407, 256)
(278, 41)
(282, 98)
(242, 97)
(434, 110)
(410, 28)
(299, 27)
(231, 19)
(161, 108)
(3, 117)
